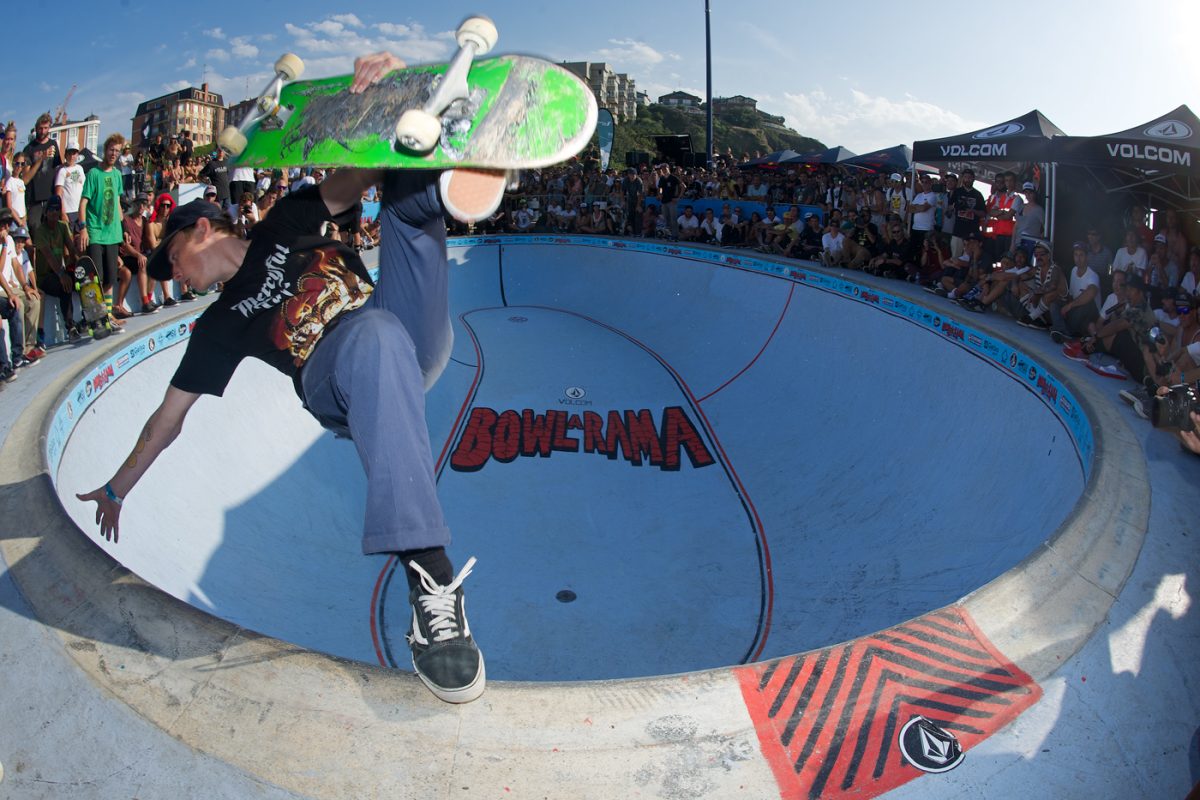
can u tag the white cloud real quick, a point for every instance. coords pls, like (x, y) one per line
(330, 27)
(348, 19)
(175, 86)
(634, 52)
(45, 87)
(241, 47)
(215, 33)
(392, 29)
(191, 62)
(864, 122)
(217, 55)
(331, 37)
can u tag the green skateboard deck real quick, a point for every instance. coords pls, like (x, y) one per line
(522, 112)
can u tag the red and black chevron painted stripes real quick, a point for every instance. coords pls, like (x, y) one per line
(828, 721)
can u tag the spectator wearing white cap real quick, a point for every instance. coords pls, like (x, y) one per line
(896, 197)
(68, 185)
(32, 300)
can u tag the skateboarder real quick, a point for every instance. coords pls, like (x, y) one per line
(360, 356)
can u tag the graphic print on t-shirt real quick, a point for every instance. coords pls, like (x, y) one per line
(326, 288)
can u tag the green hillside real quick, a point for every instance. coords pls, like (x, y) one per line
(741, 131)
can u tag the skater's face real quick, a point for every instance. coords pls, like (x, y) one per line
(190, 253)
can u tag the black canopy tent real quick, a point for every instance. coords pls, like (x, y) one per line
(893, 159)
(770, 160)
(1159, 158)
(997, 148)
(834, 155)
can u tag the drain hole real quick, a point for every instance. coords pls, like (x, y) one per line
(565, 596)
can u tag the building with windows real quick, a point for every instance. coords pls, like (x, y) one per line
(614, 90)
(84, 135)
(198, 111)
(738, 102)
(680, 100)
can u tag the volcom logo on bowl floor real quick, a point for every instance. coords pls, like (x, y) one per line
(929, 747)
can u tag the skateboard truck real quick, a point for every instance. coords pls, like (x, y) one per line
(419, 129)
(289, 67)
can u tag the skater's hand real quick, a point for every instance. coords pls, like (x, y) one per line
(108, 512)
(371, 69)
(83, 238)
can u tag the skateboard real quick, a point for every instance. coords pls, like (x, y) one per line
(91, 297)
(503, 113)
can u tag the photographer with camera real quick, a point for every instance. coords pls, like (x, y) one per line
(247, 215)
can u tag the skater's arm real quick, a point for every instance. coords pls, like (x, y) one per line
(342, 190)
(160, 430)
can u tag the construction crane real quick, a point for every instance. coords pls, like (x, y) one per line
(60, 115)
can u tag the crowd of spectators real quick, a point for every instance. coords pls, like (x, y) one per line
(1126, 312)
(1125, 306)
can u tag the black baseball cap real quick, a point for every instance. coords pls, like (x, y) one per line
(158, 266)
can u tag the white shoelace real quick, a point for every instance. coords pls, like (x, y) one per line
(439, 602)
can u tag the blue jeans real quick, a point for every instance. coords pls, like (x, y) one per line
(368, 375)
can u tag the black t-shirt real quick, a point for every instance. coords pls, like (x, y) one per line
(669, 187)
(217, 171)
(965, 201)
(290, 288)
(41, 188)
(810, 238)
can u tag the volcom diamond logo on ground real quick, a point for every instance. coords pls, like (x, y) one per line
(929, 747)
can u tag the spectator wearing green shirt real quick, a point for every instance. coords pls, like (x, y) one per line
(100, 215)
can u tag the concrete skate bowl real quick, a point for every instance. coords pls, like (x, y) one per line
(709, 470)
(664, 459)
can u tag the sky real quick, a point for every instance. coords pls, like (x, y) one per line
(875, 75)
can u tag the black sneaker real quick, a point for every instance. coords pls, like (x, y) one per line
(150, 307)
(169, 301)
(187, 297)
(8, 374)
(443, 653)
(21, 361)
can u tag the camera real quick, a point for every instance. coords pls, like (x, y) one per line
(1173, 410)
(1156, 336)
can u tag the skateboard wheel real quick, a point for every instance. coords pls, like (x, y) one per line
(232, 141)
(418, 130)
(290, 66)
(480, 31)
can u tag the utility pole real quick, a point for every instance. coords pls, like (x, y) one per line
(708, 144)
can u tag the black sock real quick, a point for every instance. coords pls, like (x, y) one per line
(433, 560)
